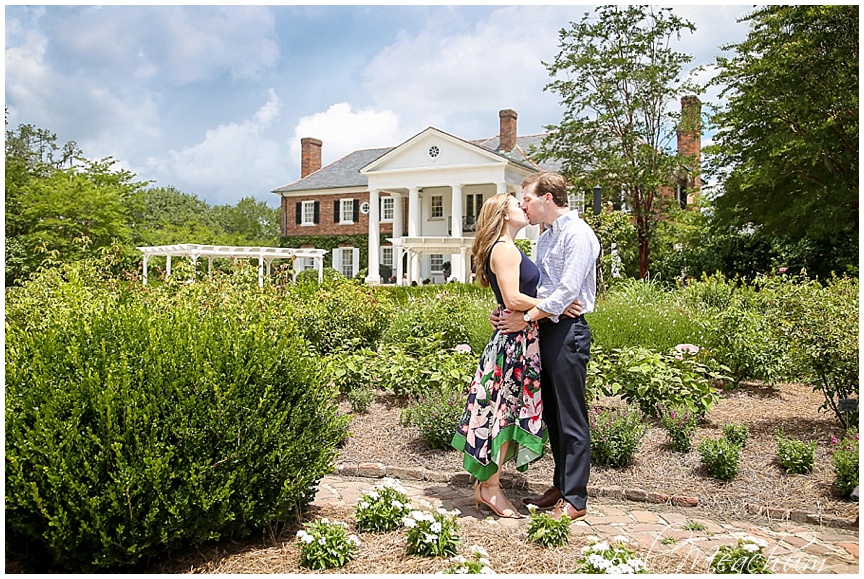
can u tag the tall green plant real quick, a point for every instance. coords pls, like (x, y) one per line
(162, 418)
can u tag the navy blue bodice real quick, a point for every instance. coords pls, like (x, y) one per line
(529, 277)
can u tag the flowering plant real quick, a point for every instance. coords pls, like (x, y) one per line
(680, 425)
(326, 544)
(615, 435)
(432, 534)
(601, 557)
(844, 455)
(745, 557)
(736, 433)
(545, 530)
(477, 564)
(382, 508)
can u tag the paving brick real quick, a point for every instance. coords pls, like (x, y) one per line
(436, 476)
(851, 548)
(645, 516)
(637, 495)
(405, 473)
(371, 469)
(611, 511)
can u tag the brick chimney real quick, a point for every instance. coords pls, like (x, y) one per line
(310, 156)
(690, 131)
(507, 133)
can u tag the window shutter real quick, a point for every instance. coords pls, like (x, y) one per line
(356, 211)
(337, 259)
(299, 212)
(317, 212)
(336, 212)
(355, 260)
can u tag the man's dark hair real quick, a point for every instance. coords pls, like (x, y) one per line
(547, 182)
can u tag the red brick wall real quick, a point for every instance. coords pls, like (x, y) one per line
(325, 225)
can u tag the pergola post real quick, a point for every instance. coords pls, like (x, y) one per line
(146, 259)
(167, 266)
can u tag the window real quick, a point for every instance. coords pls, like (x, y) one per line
(387, 205)
(437, 207)
(302, 263)
(346, 211)
(473, 203)
(308, 213)
(387, 256)
(576, 202)
(346, 261)
(436, 262)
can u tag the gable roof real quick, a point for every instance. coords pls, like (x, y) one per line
(345, 172)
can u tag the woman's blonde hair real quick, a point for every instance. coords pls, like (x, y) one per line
(490, 226)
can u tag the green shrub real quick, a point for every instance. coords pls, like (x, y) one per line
(435, 415)
(737, 434)
(680, 426)
(615, 435)
(720, 457)
(794, 455)
(454, 314)
(342, 315)
(844, 455)
(712, 292)
(163, 418)
(648, 378)
(820, 324)
(742, 339)
(350, 370)
(360, 399)
(546, 531)
(424, 375)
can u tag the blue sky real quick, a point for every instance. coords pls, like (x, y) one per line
(213, 100)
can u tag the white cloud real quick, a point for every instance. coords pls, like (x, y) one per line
(438, 75)
(343, 130)
(234, 160)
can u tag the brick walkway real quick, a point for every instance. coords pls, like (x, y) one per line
(660, 529)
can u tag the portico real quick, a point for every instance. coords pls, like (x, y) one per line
(445, 181)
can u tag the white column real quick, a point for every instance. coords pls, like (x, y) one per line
(373, 276)
(456, 260)
(146, 259)
(465, 272)
(260, 271)
(398, 217)
(501, 188)
(415, 268)
(413, 212)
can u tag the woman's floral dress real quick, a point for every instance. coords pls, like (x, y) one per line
(504, 401)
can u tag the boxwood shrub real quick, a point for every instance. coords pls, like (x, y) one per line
(153, 423)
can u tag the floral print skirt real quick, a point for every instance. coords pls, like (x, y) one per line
(503, 405)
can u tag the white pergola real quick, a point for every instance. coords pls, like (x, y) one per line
(416, 246)
(264, 255)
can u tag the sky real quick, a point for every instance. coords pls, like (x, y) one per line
(214, 99)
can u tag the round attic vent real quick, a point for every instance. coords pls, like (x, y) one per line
(434, 151)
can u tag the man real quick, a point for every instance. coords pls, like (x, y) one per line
(566, 255)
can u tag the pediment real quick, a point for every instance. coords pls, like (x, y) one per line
(431, 149)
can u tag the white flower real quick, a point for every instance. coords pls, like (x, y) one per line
(455, 512)
(301, 533)
(601, 546)
(598, 561)
(756, 540)
(751, 547)
(621, 539)
(325, 520)
(587, 548)
(362, 505)
(435, 527)
(487, 571)
(409, 522)
(372, 494)
(441, 511)
(483, 561)
(322, 541)
(307, 538)
(397, 504)
(478, 550)
(637, 564)
(354, 540)
(459, 559)
(625, 569)
(430, 538)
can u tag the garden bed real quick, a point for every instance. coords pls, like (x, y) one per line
(377, 436)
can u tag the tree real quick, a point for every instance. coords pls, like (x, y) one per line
(250, 222)
(617, 79)
(786, 148)
(165, 215)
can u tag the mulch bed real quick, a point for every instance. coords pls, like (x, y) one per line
(377, 436)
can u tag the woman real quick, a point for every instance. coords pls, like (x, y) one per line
(502, 417)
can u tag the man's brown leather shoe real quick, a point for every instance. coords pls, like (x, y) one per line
(562, 507)
(545, 501)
